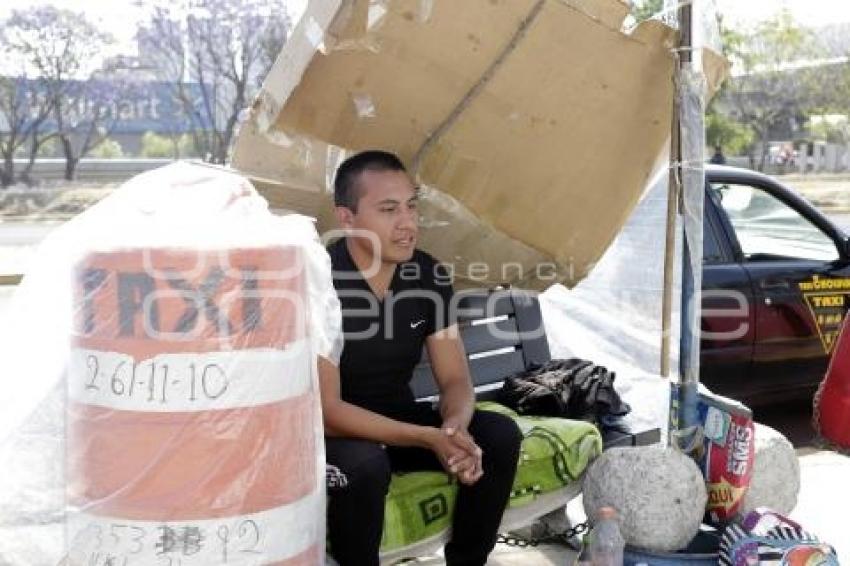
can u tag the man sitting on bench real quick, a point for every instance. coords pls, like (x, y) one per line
(394, 300)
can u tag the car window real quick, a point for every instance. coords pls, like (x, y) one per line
(767, 228)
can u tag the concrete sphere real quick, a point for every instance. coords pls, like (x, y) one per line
(776, 474)
(659, 493)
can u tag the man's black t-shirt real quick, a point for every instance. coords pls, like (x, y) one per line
(384, 338)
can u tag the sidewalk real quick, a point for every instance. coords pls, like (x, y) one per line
(544, 555)
(822, 508)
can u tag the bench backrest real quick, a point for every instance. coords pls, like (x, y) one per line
(503, 333)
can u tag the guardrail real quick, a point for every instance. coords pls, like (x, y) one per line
(90, 169)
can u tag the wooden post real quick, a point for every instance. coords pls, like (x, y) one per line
(674, 191)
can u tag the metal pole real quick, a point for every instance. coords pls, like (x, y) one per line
(687, 417)
(683, 415)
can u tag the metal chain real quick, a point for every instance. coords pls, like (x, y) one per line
(816, 407)
(820, 440)
(513, 539)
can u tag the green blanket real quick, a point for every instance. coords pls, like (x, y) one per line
(554, 453)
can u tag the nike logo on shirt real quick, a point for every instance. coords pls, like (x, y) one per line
(417, 323)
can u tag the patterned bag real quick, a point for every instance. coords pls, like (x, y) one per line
(766, 538)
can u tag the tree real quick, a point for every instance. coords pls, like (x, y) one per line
(154, 146)
(18, 124)
(835, 98)
(645, 9)
(62, 48)
(831, 129)
(173, 146)
(22, 112)
(215, 53)
(724, 132)
(768, 90)
(108, 149)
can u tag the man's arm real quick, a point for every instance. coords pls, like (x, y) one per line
(457, 398)
(344, 419)
(450, 369)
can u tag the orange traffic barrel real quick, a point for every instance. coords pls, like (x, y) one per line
(193, 418)
(832, 401)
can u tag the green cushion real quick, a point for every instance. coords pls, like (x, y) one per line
(554, 453)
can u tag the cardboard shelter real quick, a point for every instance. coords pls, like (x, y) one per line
(533, 126)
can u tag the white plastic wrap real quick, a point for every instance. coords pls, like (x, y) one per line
(613, 316)
(691, 107)
(174, 329)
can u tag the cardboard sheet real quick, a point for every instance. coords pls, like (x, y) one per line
(536, 124)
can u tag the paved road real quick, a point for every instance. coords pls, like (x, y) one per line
(18, 243)
(24, 233)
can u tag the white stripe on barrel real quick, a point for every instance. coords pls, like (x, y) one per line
(265, 537)
(189, 382)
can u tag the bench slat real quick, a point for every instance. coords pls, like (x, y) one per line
(490, 336)
(529, 319)
(484, 371)
(475, 304)
(496, 368)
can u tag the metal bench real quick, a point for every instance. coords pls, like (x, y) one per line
(503, 333)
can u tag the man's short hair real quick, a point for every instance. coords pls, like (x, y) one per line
(346, 192)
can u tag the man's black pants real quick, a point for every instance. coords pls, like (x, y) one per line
(356, 509)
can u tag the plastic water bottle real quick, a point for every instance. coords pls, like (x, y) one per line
(606, 542)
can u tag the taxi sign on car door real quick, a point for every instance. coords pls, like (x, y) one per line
(828, 300)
